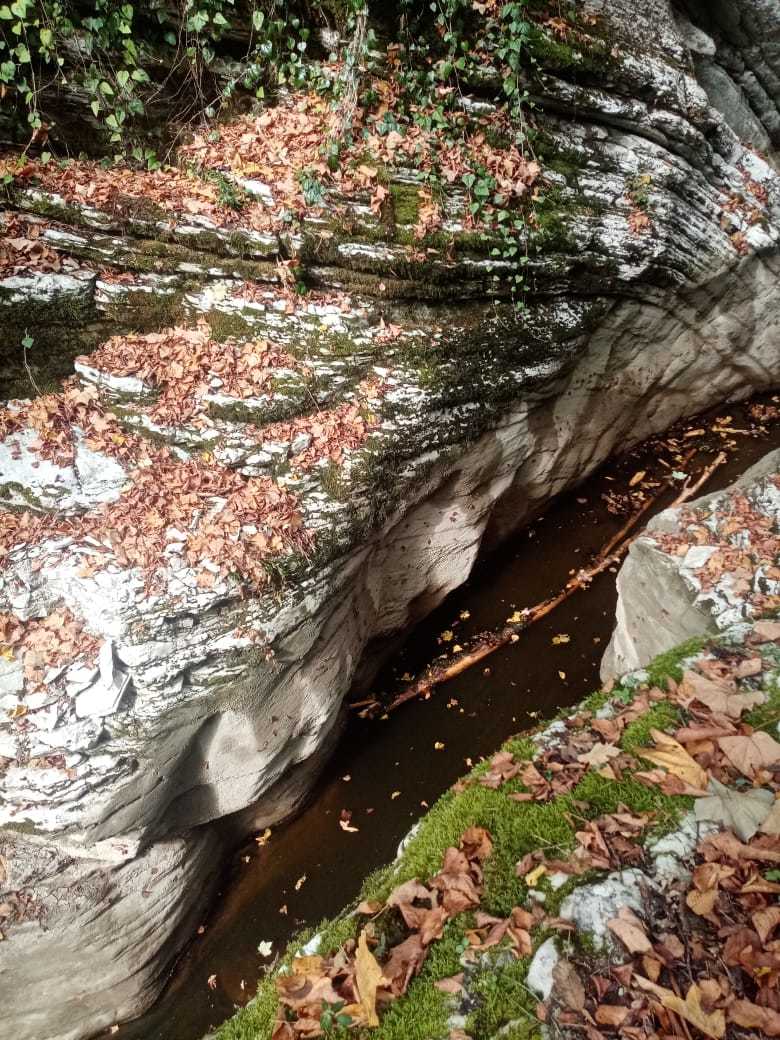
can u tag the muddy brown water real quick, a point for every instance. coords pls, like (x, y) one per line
(393, 766)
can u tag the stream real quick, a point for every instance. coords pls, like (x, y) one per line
(387, 771)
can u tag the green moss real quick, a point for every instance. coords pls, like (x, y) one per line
(606, 796)
(406, 203)
(663, 716)
(504, 999)
(422, 1015)
(669, 665)
(767, 716)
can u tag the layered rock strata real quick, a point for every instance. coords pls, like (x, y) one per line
(189, 590)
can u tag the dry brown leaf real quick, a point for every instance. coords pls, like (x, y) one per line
(751, 753)
(612, 1015)
(630, 930)
(767, 631)
(702, 903)
(712, 1024)
(719, 695)
(765, 921)
(771, 824)
(454, 984)
(672, 756)
(567, 986)
(599, 754)
(750, 1016)
(368, 978)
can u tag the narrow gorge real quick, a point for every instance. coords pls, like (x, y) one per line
(274, 383)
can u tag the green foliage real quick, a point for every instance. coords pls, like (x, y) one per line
(111, 49)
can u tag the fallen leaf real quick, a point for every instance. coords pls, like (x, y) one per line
(599, 754)
(613, 1015)
(712, 1024)
(454, 984)
(672, 756)
(368, 978)
(630, 930)
(751, 753)
(533, 877)
(742, 812)
(567, 985)
(265, 948)
(702, 903)
(767, 631)
(765, 921)
(718, 695)
(750, 1016)
(771, 824)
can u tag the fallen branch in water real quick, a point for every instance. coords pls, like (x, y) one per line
(488, 643)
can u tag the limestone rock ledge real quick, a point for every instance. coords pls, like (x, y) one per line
(699, 569)
(197, 697)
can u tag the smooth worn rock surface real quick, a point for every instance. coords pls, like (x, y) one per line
(698, 569)
(198, 694)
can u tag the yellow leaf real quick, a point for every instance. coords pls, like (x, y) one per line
(672, 756)
(7, 653)
(562, 637)
(637, 477)
(368, 978)
(713, 1024)
(533, 877)
(448, 635)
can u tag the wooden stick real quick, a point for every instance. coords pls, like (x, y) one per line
(488, 643)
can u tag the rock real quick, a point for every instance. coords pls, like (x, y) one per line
(59, 299)
(665, 598)
(591, 906)
(28, 480)
(540, 971)
(218, 695)
(672, 855)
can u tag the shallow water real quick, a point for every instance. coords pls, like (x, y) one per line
(393, 766)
